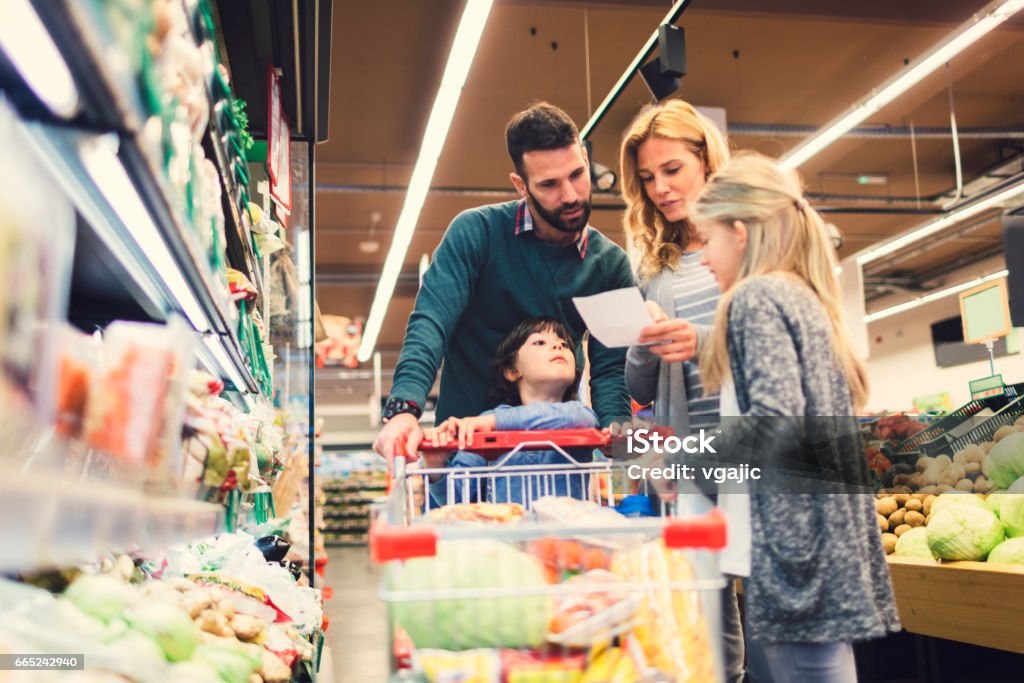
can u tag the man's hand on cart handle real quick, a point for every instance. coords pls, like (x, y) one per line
(402, 428)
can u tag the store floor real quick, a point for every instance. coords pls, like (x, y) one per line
(357, 634)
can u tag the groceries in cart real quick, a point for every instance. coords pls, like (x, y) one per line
(535, 379)
(482, 513)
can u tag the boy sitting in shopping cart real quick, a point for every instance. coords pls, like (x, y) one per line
(535, 378)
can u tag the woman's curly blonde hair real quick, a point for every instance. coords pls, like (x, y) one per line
(661, 242)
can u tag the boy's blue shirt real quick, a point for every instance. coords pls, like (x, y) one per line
(535, 416)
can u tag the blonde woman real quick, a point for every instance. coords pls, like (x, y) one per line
(818, 579)
(667, 155)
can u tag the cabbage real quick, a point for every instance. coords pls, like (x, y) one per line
(1008, 552)
(100, 596)
(462, 623)
(1017, 486)
(1011, 513)
(958, 498)
(914, 543)
(1005, 462)
(170, 627)
(963, 532)
(234, 663)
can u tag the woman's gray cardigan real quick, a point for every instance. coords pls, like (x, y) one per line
(818, 569)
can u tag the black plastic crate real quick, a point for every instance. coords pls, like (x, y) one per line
(987, 429)
(934, 439)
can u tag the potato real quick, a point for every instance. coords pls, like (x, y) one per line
(965, 485)
(929, 490)
(974, 453)
(927, 506)
(943, 461)
(883, 523)
(950, 477)
(919, 496)
(1003, 432)
(902, 529)
(924, 462)
(896, 518)
(215, 623)
(247, 627)
(943, 488)
(960, 458)
(915, 518)
(902, 498)
(1019, 422)
(914, 505)
(982, 485)
(973, 469)
(889, 543)
(927, 519)
(987, 446)
(886, 506)
(902, 489)
(930, 476)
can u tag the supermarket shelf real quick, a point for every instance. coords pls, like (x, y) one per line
(50, 522)
(169, 271)
(140, 233)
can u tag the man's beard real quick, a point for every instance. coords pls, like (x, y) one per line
(555, 220)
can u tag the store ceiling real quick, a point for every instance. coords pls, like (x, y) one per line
(777, 64)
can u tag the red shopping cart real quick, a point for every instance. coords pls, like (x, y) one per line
(547, 587)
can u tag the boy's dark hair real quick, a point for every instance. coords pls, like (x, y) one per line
(507, 392)
(542, 126)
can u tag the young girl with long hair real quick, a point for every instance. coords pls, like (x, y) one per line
(779, 350)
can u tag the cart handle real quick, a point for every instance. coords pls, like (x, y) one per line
(495, 443)
(707, 531)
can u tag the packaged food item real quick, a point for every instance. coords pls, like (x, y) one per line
(670, 625)
(597, 611)
(483, 513)
(539, 666)
(469, 666)
(137, 401)
(76, 362)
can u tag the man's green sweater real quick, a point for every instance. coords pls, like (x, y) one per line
(487, 276)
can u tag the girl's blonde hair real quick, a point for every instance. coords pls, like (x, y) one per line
(661, 242)
(784, 235)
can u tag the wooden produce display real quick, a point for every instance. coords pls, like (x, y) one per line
(968, 602)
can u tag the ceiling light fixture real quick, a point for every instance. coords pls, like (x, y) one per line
(963, 37)
(956, 216)
(471, 27)
(934, 296)
(631, 70)
(31, 49)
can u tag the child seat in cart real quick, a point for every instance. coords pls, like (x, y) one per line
(545, 587)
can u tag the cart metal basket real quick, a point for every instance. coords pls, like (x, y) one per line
(566, 588)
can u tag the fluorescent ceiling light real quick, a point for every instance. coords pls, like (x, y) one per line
(100, 159)
(219, 363)
(471, 27)
(31, 49)
(932, 227)
(963, 37)
(934, 296)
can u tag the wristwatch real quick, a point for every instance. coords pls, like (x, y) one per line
(396, 406)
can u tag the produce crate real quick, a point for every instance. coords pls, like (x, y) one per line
(968, 602)
(935, 439)
(984, 430)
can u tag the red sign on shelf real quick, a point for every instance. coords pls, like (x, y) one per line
(273, 125)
